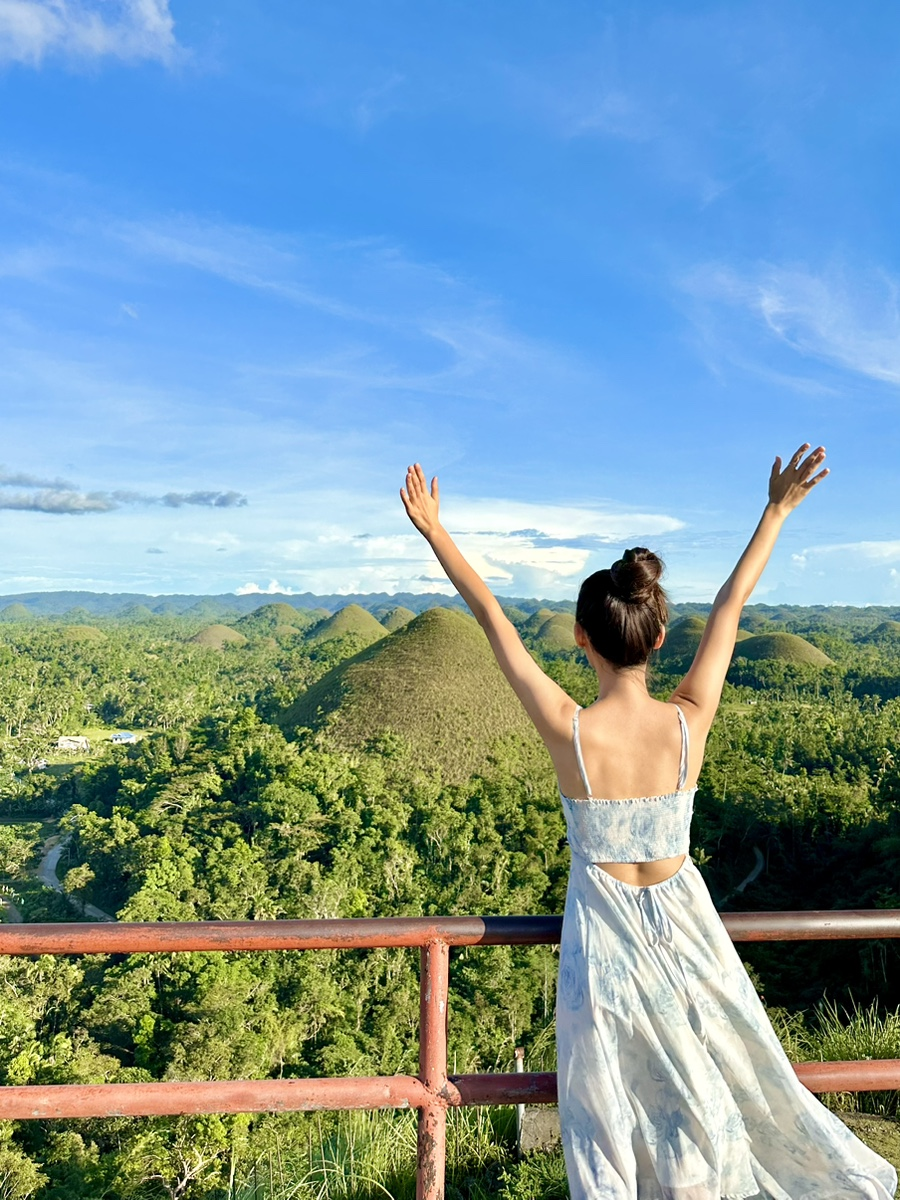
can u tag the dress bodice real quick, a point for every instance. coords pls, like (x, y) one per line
(638, 829)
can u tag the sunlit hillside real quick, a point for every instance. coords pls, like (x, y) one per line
(435, 682)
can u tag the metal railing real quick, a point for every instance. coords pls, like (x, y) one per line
(433, 1091)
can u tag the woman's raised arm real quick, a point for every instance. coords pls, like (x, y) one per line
(548, 706)
(702, 685)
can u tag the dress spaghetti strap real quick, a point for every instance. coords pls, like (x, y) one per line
(685, 749)
(576, 740)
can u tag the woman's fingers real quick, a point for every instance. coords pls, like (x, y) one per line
(798, 454)
(810, 463)
(812, 482)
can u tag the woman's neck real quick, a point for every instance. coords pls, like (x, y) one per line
(628, 684)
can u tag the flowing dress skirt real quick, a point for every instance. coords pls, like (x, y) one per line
(673, 1084)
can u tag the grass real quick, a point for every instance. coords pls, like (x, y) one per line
(435, 683)
(831, 1034)
(61, 762)
(397, 618)
(557, 632)
(277, 619)
(371, 1156)
(351, 619)
(218, 636)
(788, 647)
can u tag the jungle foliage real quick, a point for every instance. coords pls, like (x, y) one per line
(296, 771)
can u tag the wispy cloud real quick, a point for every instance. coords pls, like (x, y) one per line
(872, 553)
(60, 497)
(850, 321)
(519, 547)
(32, 30)
(24, 479)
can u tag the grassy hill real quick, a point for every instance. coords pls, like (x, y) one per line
(218, 637)
(532, 625)
(82, 633)
(434, 682)
(15, 612)
(136, 612)
(396, 618)
(682, 638)
(274, 620)
(788, 647)
(556, 633)
(348, 620)
(885, 634)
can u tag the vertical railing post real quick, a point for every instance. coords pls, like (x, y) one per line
(432, 1141)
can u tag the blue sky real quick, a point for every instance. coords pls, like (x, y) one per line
(594, 264)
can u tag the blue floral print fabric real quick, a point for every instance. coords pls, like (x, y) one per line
(673, 1084)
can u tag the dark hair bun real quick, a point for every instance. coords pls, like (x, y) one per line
(636, 575)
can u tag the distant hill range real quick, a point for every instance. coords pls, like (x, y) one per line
(395, 609)
(138, 606)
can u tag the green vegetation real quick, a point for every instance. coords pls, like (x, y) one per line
(556, 633)
(682, 639)
(15, 612)
(351, 621)
(396, 618)
(781, 647)
(275, 620)
(434, 683)
(280, 773)
(218, 637)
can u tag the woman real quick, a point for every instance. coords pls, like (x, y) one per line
(672, 1082)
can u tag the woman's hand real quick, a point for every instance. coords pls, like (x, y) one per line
(788, 487)
(420, 504)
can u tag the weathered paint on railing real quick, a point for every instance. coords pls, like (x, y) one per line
(377, 932)
(433, 1092)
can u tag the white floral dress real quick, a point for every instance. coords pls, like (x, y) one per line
(673, 1084)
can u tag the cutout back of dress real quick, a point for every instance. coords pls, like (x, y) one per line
(638, 829)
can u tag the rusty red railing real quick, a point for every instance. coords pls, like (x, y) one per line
(433, 1091)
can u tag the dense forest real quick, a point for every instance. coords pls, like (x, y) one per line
(351, 761)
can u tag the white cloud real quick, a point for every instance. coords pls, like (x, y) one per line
(518, 547)
(274, 589)
(866, 552)
(555, 520)
(31, 30)
(850, 321)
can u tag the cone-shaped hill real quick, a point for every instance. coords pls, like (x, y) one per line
(683, 638)
(217, 637)
(885, 634)
(396, 618)
(77, 616)
(352, 619)
(788, 647)
(276, 619)
(208, 608)
(435, 682)
(557, 633)
(82, 633)
(533, 625)
(136, 613)
(15, 612)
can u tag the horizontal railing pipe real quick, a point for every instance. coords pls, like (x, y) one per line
(360, 933)
(187, 1098)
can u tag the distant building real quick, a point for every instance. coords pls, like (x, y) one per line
(74, 745)
(122, 738)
